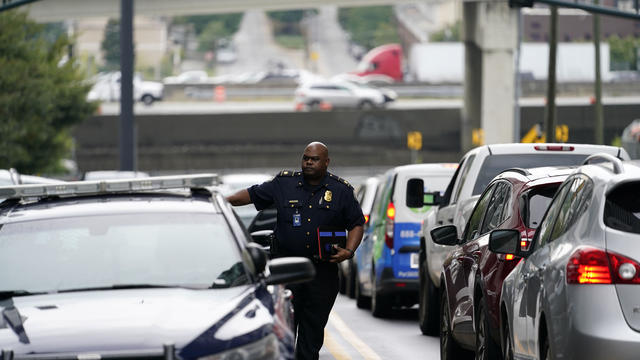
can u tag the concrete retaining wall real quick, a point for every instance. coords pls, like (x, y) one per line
(212, 141)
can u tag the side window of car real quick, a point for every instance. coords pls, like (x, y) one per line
(574, 205)
(544, 230)
(497, 207)
(379, 205)
(473, 224)
(447, 194)
(463, 176)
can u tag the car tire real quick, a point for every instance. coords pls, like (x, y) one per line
(486, 348)
(341, 282)
(507, 345)
(380, 304)
(351, 281)
(449, 348)
(147, 99)
(362, 302)
(428, 314)
(545, 348)
(365, 105)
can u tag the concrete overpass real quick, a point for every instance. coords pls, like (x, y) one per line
(490, 34)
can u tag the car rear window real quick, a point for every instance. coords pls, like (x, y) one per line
(622, 208)
(495, 164)
(537, 201)
(195, 250)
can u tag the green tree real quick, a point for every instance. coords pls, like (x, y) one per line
(111, 45)
(452, 32)
(210, 36)
(231, 22)
(623, 52)
(370, 26)
(42, 95)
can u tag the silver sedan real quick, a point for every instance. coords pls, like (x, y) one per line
(576, 292)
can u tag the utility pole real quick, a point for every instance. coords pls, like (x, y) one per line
(127, 138)
(550, 113)
(599, 117)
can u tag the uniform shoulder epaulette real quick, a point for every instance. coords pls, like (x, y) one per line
(288, 173)
(340, 180)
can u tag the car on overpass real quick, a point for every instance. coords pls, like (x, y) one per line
(341, 94)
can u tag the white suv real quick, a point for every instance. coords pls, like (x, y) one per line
(475, 171)
(342, 94)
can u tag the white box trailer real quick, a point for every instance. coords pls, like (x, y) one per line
(444, 62)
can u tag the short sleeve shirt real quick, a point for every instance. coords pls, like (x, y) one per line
(332, 203)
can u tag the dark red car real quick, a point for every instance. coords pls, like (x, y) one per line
(472, 276)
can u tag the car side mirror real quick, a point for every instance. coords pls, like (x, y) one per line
(289, 270)
(258, 256)
(445, 235)
(415, 193)
(262, 237)
(504, 241)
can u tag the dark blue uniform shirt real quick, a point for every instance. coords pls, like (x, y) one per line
(332, 203)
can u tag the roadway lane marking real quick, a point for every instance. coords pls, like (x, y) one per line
(352, 338)
(334, 348)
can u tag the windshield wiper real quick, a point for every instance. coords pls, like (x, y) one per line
(120, 287)
(7, 294)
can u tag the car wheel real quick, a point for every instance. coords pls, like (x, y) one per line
(362, 302)
(486, 348)
(507, 346)
(449, 349)
(545, 349)
(341, 282)
(380, 305)
(365, 105)
(351, 280)
(427, 304)
(147, 99)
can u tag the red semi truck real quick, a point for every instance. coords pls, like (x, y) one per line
(381, 64)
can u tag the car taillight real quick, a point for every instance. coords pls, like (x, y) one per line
(388, 234)
(366, 219)
(553, 148)
(595, 266)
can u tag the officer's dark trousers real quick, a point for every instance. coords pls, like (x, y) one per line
(312, 303)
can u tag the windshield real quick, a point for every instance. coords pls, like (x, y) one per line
(164, 249)
(495, 164)
(538, 201)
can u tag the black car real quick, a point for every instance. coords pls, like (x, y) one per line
(142, 268)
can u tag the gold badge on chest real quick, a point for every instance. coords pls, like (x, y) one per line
(327, 196)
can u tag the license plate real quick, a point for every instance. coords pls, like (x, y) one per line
(414, 260)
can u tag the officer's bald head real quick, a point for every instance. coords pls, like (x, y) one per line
(315, 161)
(320, 147)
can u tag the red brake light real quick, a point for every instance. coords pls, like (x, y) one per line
(391, 211)
(366, 219)
(388, 234)
(553, 148)
(595, 266)
(588, 266)
(509, 257)
(624, 270)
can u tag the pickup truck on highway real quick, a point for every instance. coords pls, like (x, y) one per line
(476, 169)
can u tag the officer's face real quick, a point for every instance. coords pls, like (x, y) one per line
(314, 162)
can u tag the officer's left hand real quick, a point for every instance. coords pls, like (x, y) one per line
(340, 255)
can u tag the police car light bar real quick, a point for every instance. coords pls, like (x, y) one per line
(109, 186)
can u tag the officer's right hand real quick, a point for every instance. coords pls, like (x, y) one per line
(340, 255)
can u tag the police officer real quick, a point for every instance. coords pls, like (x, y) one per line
(305, 201)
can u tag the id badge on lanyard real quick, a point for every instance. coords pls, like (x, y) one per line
(296, 219)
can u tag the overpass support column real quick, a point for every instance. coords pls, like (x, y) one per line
(490, 35)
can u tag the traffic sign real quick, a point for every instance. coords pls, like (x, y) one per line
(414, 140)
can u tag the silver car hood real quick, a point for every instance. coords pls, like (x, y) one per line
(114, 320)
